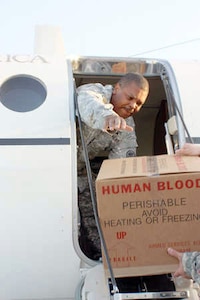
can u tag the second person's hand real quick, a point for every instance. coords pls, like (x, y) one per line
(179, 255)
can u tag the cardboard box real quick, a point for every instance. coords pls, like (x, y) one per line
(145, 205)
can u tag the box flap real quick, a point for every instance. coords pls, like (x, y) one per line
(148, 166)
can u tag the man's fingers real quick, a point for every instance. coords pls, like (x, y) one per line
(116, 123)
(177, 273)
(174, 253)
(129, 128)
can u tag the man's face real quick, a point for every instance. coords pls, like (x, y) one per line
(128, 99)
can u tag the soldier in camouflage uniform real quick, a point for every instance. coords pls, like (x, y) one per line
(108, 126)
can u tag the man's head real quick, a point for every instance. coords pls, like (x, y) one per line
(129, 94)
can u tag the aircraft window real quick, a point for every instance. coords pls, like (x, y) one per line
(22, 93)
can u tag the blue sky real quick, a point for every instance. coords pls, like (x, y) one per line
(106, 27)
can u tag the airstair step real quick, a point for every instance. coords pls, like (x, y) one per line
(153, 295)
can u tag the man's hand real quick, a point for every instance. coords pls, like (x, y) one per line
(178, 255)
(189, 149)
(115, 122)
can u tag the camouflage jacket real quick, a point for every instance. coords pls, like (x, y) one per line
(94, 105)
(191, 265)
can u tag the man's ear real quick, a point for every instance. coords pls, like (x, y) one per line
(116, 87)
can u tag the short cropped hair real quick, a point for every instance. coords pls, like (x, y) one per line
(139, 79)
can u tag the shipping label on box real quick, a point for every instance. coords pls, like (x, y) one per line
(145, 205)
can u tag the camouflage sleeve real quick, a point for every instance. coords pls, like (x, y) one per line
(191, 265)
(126, 145)
(93, 106)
